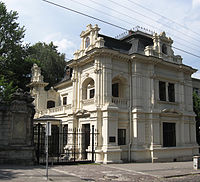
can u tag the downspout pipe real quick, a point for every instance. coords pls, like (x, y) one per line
(130, 110)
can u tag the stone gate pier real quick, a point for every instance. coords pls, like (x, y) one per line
(16, 130)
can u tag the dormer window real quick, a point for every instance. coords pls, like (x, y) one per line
(87, 42)
(164, 49)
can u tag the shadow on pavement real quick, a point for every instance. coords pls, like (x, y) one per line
(8, 172)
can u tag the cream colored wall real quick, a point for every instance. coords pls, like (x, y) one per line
(66, 92)
(147, 112)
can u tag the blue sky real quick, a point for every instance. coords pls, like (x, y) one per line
(44, 22)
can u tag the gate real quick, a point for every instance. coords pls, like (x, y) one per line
(65, 145)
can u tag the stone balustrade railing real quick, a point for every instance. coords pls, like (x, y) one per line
(53, 110)
(88, 101)
(121, 102)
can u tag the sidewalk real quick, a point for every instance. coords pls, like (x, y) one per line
(33, 174)
(161, 170)
(129, 172)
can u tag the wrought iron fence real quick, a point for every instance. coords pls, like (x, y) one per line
(65, 145)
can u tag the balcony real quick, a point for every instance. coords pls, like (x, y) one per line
(56, 110)
(120, 102)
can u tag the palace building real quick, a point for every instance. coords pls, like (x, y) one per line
(134, 91)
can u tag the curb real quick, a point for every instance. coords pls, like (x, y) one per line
(180, 175)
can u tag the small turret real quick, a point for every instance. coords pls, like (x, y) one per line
(36, 74)
(37, 78)
(162, 48)
(37, 89)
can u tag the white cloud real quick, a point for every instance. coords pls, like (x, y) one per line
(195, 3)
(42, 20)
(64, 43)
(196, 75)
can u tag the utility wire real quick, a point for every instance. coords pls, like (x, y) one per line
(111, 24)
(121, 13)
(185, 40)
(186, 52)
(148, 9)
(89, 16)
(101, 12)
(130, 9)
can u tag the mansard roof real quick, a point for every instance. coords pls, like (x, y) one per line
(116, 44)
(134, 42)
(66, 78)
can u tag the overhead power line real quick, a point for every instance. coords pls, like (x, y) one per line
(186, 52)
(128, 22)
(121, 13)
(150, 25)
(89, 16)
(148, 9)
(106, 22)
(97, 10)
(149, 18)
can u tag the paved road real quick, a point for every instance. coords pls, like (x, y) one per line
(134, 172)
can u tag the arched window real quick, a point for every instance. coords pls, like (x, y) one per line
(87, 42)
(119, 87)
(115, 89)
(50, 104)
(88, 90)
(164, 49)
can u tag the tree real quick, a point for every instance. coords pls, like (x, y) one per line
(16, 59)
(196, 108)
(52, 62)
(14, 66)
(6, 90)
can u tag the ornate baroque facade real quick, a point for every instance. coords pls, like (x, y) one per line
(133, 90)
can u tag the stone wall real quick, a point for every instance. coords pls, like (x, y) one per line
(16, 130)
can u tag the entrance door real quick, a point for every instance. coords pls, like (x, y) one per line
(54, 141)
(85, 139)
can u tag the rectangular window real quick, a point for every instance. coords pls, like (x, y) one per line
(121, 136)
(92, 93)
(50, 104)
(64, 101)
(112, 139)
(171, 92)
(115, 89)
(169, 134)
(162, 91)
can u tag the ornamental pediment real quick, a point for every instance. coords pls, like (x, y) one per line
(82, 113)
(89, 40)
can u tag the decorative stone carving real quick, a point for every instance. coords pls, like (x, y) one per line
(16, 144)
(162, 48)
(90, 34)
(36, 74)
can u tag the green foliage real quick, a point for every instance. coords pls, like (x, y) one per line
(52, 63)
(6, 90)
(196, 106)
(11, 33)
(14, 66)
(16, 59)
